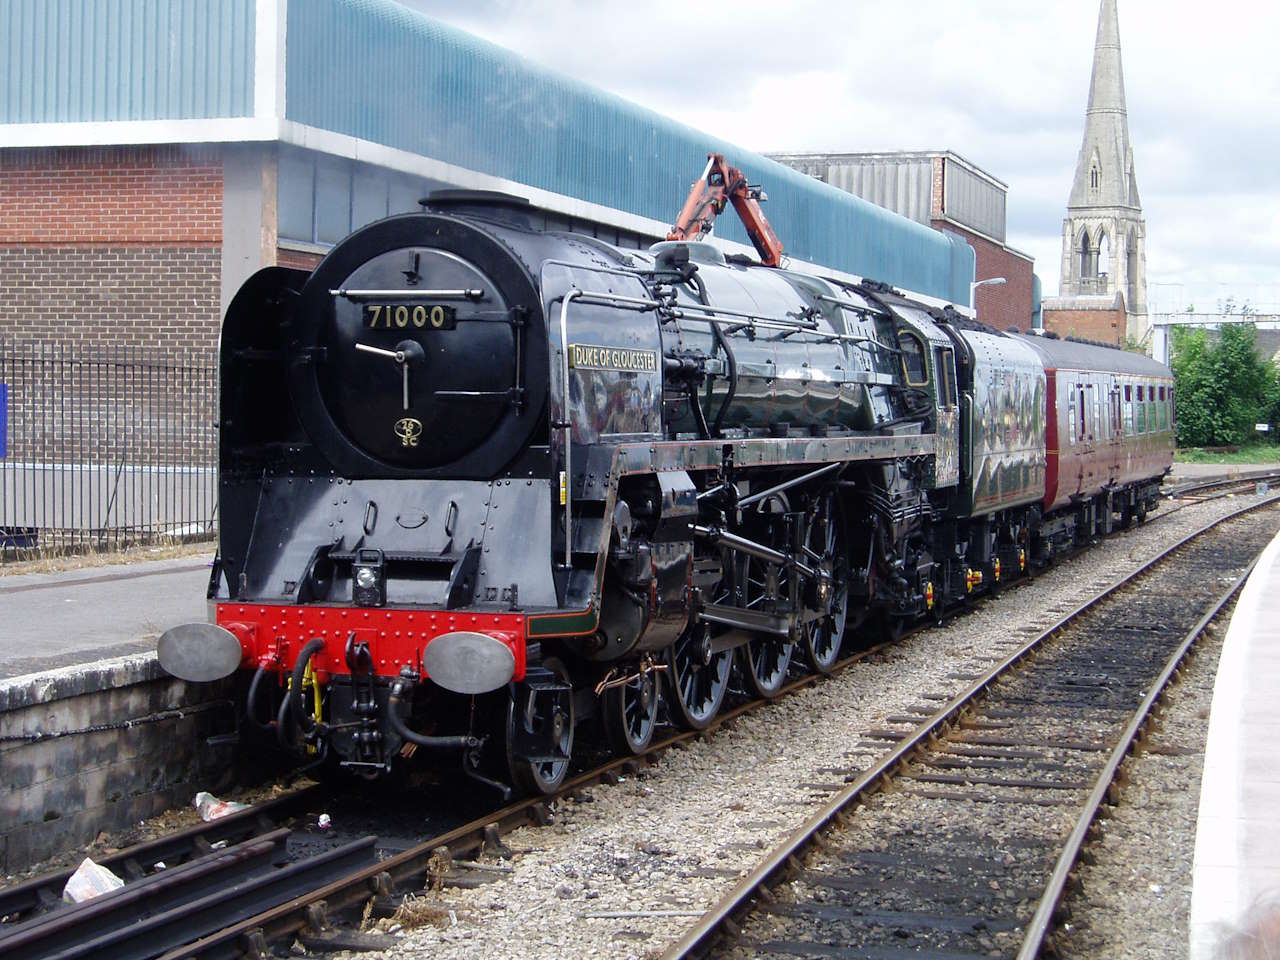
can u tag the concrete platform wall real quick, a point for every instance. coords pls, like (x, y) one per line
(58, 793)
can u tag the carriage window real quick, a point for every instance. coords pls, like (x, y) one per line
(914, 367)
(1140, 415)
(1080, 393)
(1128, 410)
(943, 359)
(1071, 418)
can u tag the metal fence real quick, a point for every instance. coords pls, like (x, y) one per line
(105, 447)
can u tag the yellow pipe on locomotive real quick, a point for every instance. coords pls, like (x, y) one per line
(309, 680)
(995, 569)
(928, 595)
(972, 578)
(1022, 558)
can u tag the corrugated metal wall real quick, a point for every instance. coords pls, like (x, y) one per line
(903, 186)
(973, 201)
(93, 60)
(373, 70)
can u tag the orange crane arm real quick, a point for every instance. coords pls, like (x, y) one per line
(721, 184)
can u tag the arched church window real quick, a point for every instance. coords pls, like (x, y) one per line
(1088, 257)
(1104, 256)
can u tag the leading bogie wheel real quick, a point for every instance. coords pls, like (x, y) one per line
(541, 776)
(631, 712)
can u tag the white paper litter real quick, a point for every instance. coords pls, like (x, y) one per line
(90, 880)
(211, 808)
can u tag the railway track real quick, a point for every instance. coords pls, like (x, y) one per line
(231, 887)
(309, 900)
(960, 841)
(1197, 489)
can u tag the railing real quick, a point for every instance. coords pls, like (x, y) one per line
(102, 448)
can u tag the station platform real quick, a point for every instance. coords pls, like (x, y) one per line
(52, 620)
(1236, 870)
(1183, 472)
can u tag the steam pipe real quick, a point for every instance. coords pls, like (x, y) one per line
(251, 699)
(282, 726)
(398, 690)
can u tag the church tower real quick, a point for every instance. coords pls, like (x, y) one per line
(1104, 234)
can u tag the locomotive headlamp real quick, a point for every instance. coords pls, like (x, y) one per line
(369, 583)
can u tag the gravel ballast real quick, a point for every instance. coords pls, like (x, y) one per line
(623, 869)
(1135, 897)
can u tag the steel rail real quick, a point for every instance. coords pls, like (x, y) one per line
(294, 915)
(289, 918)
(701, 933)
(237, 827)
(1042, 921)
(1209, 483)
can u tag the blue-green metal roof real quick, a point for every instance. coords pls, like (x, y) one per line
(377, 71)
(96, 60)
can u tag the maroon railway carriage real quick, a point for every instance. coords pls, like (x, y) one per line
(1110, 435)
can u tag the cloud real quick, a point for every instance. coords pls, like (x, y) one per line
(1002, 82)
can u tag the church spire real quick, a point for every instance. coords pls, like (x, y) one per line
(1104, 235)
(1104, 170)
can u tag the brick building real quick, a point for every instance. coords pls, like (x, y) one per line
(153, 156)
(948, 193)
(111, 243)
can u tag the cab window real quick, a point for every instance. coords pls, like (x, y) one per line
(914, 366)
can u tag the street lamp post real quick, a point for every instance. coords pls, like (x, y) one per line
(989, 282)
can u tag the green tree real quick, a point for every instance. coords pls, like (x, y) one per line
(1224, 387)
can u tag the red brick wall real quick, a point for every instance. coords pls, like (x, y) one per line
(1107, 326)
(115, 244)
(155, 297)
(298, 259)
(1007, 306)
(936, 191)
(125, 195)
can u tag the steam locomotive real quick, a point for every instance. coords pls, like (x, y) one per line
(483, 482)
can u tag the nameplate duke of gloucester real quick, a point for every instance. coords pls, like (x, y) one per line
(585, 356)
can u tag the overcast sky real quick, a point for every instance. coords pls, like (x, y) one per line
(1002, 82)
